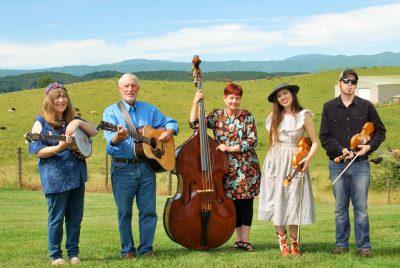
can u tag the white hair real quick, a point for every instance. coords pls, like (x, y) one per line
(129, 76)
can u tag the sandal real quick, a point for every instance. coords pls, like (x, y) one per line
(237, 245)
(247, 246)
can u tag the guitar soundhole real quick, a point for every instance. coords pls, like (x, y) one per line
(153, 144)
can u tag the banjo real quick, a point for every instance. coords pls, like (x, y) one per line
(81, 145)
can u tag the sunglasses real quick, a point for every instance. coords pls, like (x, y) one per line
(347, 81)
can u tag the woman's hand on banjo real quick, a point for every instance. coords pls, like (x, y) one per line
(74, 124)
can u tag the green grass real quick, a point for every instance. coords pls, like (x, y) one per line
(23, 219)
(175, 99)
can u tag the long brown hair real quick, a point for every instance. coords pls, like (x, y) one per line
(277, 116)
(49, 112)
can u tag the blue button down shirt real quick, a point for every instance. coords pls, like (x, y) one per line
(62, 171)
(142, 114)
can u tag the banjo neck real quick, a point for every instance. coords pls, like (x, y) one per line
(54, 137)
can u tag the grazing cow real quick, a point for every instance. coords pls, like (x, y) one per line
(12, 110)
(3, 128)
(76, 109)
(93, 113)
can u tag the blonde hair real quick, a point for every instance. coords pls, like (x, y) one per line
(48, 111)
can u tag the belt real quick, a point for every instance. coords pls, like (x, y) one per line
(125, 160)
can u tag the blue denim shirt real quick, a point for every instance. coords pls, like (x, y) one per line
(60, 172)
(142, 114)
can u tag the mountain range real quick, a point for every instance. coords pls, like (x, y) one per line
(301, 63)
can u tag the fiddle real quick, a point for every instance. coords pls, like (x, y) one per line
(361, 138)
(303, 146)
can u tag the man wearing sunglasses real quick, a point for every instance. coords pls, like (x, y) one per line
(342, 118)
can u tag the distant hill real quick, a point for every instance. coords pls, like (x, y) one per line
(41, 79)
(175, 99)
(301, 63)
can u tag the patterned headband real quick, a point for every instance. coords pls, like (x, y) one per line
(52, 86)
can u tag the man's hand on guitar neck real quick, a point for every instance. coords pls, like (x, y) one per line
(122, 134)
(166, 135)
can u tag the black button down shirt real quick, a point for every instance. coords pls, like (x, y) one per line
(340, 123)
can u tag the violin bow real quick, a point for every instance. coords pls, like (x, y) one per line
(344, 170)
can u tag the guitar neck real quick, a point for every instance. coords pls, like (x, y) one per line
(134, 135)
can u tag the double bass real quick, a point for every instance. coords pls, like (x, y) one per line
(199, 216)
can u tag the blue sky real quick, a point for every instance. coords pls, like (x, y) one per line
(56, 33)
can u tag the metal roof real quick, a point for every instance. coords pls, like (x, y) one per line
(381, 80)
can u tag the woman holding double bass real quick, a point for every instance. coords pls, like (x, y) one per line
(282, 202)
(211, 173)
(235, 132)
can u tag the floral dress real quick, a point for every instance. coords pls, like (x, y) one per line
(243, 180)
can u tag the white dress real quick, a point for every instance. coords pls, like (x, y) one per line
(277, 202)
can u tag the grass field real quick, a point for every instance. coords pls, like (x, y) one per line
(175, 99)
(23, 219)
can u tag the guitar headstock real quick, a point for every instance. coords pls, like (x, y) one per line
(29, 136)
(104, 125)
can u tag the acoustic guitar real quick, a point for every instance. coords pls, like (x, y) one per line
(160, 156)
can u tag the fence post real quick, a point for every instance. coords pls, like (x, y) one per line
(19, 161)
(169, 182)
(106, 175)
(388, 190)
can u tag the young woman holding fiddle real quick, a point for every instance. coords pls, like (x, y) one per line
(280, 203)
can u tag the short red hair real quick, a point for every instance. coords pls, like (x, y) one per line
(233, 89)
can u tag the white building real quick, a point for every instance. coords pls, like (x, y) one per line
(377, 89)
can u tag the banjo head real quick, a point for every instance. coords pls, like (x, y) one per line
(83, 143)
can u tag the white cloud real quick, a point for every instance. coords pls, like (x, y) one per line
(227, 38)
(376, 26)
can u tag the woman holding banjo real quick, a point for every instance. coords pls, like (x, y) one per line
(62, 173)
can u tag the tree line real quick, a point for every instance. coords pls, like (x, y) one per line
(42, 79)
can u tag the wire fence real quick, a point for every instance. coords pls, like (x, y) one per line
(23, 173)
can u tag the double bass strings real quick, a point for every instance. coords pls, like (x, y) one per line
(207, 179)
(204, 169)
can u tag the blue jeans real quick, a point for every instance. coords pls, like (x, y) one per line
(67, 205)
(352, 185)
(130, 181)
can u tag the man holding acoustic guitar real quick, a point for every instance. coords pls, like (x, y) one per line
(139, 139)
